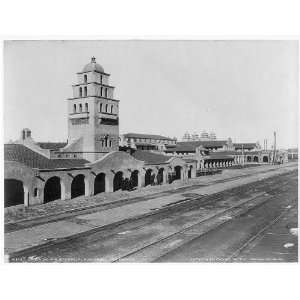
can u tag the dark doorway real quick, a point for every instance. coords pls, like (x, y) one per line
(255, 159)
(265, 159)
(248, 158)
(13, 192)
(99, 184)
(77, 186)
(118, 181)
(160, 176)
(52, 190)
(178, 172)
(190, 172)
(149, 177)
(134, 179)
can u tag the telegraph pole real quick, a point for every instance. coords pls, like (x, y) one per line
(274, 150)
(243, 158)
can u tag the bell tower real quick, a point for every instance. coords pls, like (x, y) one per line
(93, 114)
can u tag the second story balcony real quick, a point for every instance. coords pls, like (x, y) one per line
(106, 115)
(79, 115)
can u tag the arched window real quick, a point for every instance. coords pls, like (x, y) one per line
(105, 142)
(111, 109)
(74, 108)
(100, 107)
(106, 108)
(101, 91)
(101, 79)
(35, 192)
(85, 78)
(80, 108)
(80, 92)
(110, 143)
(85, 91)
(86, 107)
(106, 93)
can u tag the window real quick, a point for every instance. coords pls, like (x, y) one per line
(101, 79)
(106, 108)
(111, 109)
(102, 142)
(86, 107)
(85, 78)
(100, 107)
(80, 92)
(85, 91)
(110, 144)
(101, 91)
(74, 108)
(106, 142)
(80, 108)
(35, 192)
(106, 93)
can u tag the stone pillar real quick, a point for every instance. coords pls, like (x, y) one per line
(65, 194)
(87, 186)
(26, 196)
(109, 182)
(142, 176)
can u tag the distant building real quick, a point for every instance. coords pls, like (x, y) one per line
(204, 136)
(292, 153)
(142, 141)
(212, 136)
(187, 137)
(195, 136)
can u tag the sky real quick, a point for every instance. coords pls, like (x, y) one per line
(245, 90)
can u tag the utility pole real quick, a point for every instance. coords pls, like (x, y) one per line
(274, 150)
(243, 158)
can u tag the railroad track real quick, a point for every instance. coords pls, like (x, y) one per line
(190, 203)
(257, 236)
(216, 220)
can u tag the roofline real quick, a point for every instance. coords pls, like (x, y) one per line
(93, 71)
(63, 169)
(154, 164)
(94, 97)
(148, 134)
(106, 85)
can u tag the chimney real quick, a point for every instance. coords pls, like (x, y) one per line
(25, 134)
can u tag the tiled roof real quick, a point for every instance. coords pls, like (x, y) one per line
(191, 146)
(22, 154)
(147, 136)
(252, 152)
(52, 146)
(292, 150)
(244, 145)
(150, 157)
(218, 155)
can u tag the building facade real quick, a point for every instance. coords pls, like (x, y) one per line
(93, 115)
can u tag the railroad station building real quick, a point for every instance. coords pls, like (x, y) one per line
(90, 161)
